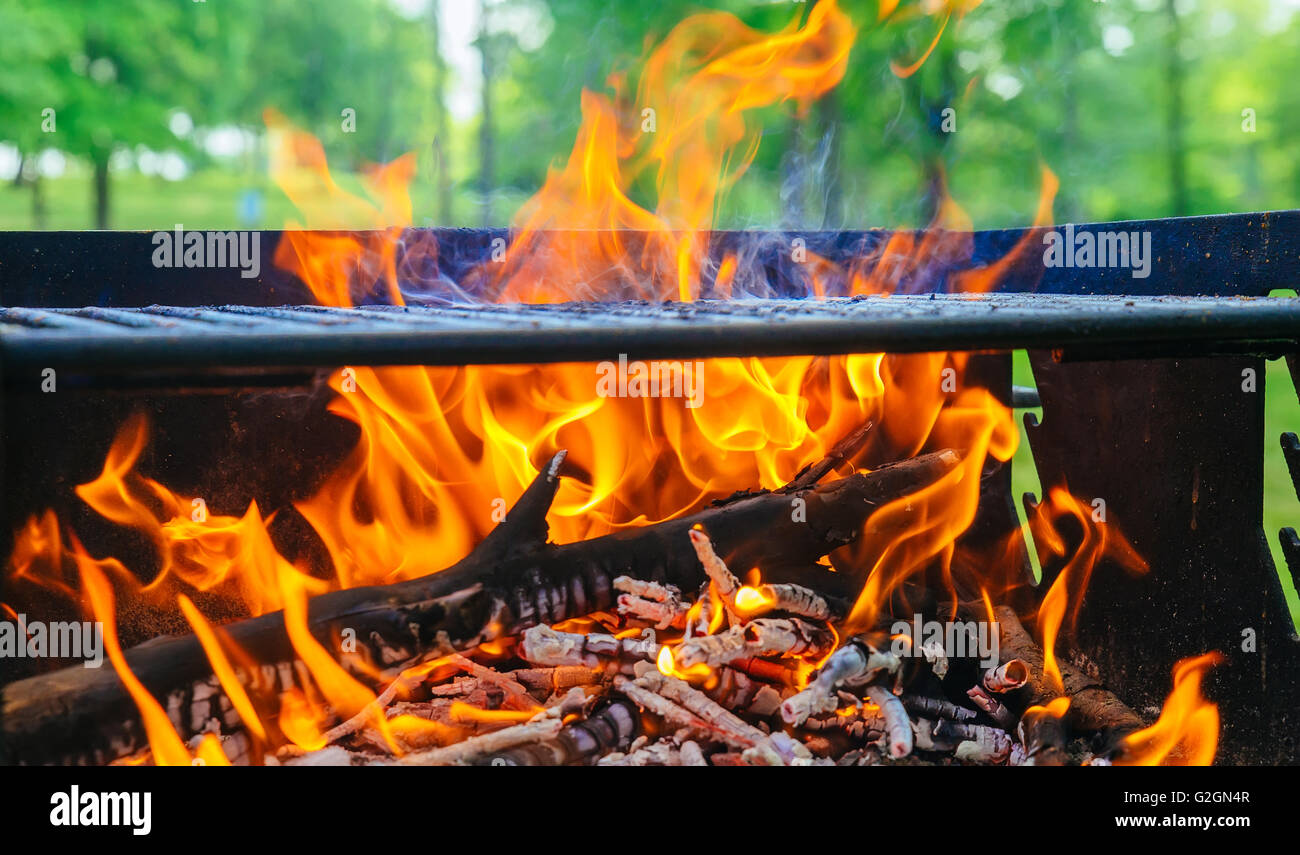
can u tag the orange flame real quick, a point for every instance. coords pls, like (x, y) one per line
(164, 742)
(1100, 539)
(945, 9)
(1187, 732)
(221, 666)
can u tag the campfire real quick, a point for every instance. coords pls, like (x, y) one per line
(676, 556)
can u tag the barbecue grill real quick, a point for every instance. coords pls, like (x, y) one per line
(1140, 381)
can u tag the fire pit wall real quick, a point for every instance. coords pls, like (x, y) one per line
(1173, 445)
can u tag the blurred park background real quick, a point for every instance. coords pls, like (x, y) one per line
(142, 114)
(1144, 108)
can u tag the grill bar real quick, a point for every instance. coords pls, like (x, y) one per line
(97, 339)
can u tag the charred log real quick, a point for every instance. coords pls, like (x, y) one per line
(513, 580)
(1093, 707)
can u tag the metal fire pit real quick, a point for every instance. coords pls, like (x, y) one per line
(1140, 381)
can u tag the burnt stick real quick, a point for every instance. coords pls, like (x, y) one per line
(513, 580)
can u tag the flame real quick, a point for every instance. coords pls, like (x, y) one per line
(1055, 708)
(667, 665)
(221, 666)
(698, 85)
(164, 742)
(944, 10)
(1187, 732)
(1100, 539)
(209, 752)
(752, 600)
(301, 720)
(345, 694)
(442, 450)
(467, 713)
(205, 552)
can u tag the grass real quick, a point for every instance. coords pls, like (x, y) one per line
(1281, 506)
(210, 199)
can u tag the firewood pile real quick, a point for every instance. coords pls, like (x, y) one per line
(752, 676)
(636, 648)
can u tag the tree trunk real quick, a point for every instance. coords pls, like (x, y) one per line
(1176, 142)
(440, 119)
(39, 218)
(101, 190)
(487, 140)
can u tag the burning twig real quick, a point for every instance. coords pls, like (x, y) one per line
(517, 696)
(774, 749)
(897, 725)
(992, 707)
(478, 748)
(937, 708)
(670, 712)
(545, 646)
(760, 637)
(785, 597)
(859, 723)
(610, 729)
(649, 601)
(988, 746)
(855, 663)
(724, 581)
(559, 679)
(1007, 676)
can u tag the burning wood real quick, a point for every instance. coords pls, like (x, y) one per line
(545, 646)
(770, 685)
(854, 664)
(757, 638)
(897, 725)
(513, 580)
(794, 599)
(659, 604)
(1007, 676)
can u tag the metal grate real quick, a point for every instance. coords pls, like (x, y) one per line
(103, 339)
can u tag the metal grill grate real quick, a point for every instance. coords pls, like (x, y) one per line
(103, 339)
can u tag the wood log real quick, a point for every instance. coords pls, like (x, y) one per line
(1093, 707)
(512, 580)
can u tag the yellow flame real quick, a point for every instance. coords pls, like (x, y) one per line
(1187, 732)
(164, 742)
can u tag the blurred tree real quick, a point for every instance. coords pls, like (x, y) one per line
(37, 37)
(441, 125)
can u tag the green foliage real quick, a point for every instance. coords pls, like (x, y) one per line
(1083, 88)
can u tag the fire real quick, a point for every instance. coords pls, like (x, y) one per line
(442, 450)
(668, 665)
(752, 600)
(700, 86)
(165, 744)
(1099, 539)
(205, 552)
(944, 10)
(1187, 732)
